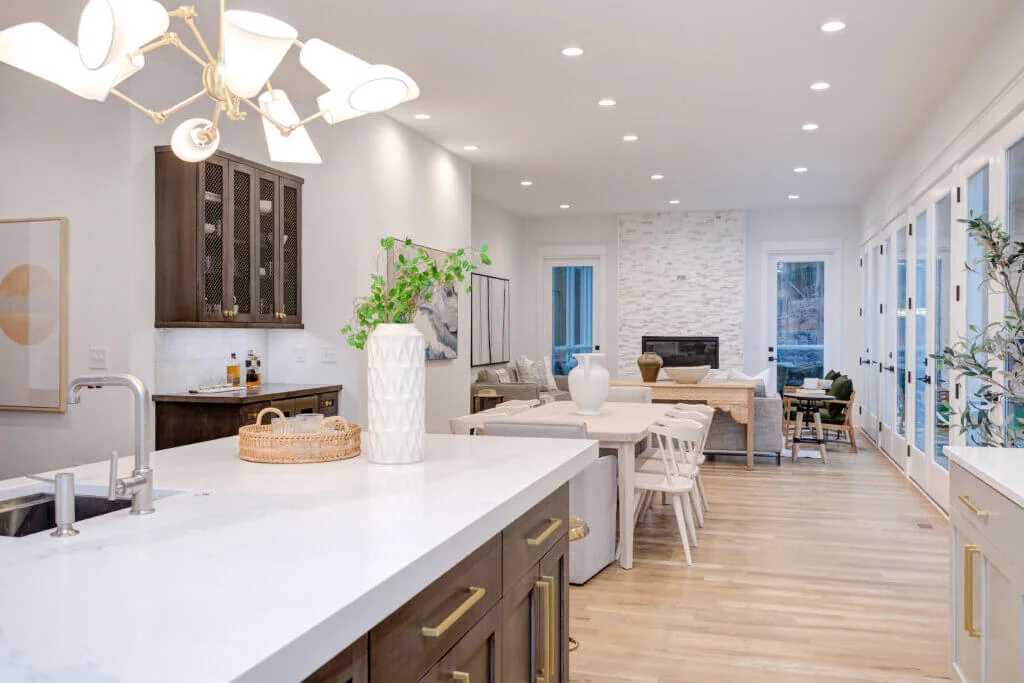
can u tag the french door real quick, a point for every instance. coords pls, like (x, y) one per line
(802, 311)
(570, 308)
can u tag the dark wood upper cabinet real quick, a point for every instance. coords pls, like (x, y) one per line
(228, 243)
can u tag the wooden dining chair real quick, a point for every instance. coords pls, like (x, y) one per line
(841, 424)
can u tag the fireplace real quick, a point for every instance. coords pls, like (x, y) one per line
(677, 352)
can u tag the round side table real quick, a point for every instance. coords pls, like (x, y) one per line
(578, 530)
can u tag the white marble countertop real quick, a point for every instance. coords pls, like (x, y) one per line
(255, 572)
(1000, 468)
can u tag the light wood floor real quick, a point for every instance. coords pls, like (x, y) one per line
(833, 573)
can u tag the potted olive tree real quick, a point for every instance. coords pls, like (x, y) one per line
(992, 355)
(382, 323)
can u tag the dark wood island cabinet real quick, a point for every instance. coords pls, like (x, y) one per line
(184, 418)
(499, 616)
(228, 243)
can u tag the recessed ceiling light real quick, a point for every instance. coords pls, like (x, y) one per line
(563, 206)
(606, 102)
(422, 117)
(810, 126)
(526, 183)
(630, 138)
(657, 176)
(793, 196)
(572, 51)
(800, 169)
(820, 85)
(832, 26)
(471, 148)
(673, 201)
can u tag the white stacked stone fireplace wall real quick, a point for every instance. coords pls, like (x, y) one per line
(681, 274)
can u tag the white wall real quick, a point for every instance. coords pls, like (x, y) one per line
(794, 225)
(501, 231)
(93, 162)
(990, 91)
(599, 231)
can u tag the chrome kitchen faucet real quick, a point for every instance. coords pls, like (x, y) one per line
(140, 484)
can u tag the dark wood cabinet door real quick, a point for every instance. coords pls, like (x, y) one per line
(212, 243)
(267, 236)
(240, 248)
(553, 573)
(289, 278)
(521, 612)
(476, 658)
(348, 667)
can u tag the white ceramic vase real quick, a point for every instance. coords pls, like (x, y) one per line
(589, 382)
(396, 394)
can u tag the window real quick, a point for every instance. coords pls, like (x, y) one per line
(800, 318)
(920, 328)
(572, 315)
(901, 331)
(943, 279)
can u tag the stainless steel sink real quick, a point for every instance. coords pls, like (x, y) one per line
(36, 512)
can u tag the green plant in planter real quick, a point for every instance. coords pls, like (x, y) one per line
(994, 354)
(414, 279)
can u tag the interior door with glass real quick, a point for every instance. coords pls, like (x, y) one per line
(901, 372)
(919, 381)
(943, 291)
(572, 310)
(868, 408)
(887, 328)
(975, 311)
(802, 291)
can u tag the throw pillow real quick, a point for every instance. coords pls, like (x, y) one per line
(833, 374)
(532, 371)
(504, 375)
(842, 389)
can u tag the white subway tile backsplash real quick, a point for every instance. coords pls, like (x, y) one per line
(188, 357)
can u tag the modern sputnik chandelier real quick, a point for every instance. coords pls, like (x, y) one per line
(115, 35)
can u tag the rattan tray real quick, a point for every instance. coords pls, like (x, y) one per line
(335, 439)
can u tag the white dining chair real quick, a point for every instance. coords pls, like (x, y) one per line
(698, 456)
(630, 395)
(517, 405)
(688, 465)
(671, 479)
(471, 424)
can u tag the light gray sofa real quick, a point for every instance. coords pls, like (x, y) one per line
(487, 379)
(730, 437)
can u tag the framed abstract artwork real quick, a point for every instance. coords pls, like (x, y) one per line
(438, 319)
(33, 313)
(491, 320)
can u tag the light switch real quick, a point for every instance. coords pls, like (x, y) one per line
(300, 354)
(330, 354)
(97, 358)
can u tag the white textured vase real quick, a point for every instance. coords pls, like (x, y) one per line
(589, 382)
(396, 394)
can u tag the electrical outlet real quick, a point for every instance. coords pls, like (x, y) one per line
(97, 358)
(330, 354)
(300, 354)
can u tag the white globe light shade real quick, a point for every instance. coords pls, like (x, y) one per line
(110, 30)
(368, 87)
(295, 148)
(254, 45)
(39, 50)
(187, 146)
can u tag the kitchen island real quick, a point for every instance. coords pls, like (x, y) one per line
(252, 572)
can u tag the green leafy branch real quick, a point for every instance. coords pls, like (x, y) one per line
(993, 355)
(414, 279)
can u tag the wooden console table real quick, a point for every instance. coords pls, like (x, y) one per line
(735, 397)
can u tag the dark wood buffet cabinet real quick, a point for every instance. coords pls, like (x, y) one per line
(228, 238)
(183, 418)
(499, 616)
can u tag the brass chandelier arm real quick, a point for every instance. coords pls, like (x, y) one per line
(285, 130)
(158, 117)
(199, 37)
(169, 39)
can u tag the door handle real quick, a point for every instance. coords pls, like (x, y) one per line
(890, 368)
(926, 379)
(771, 359)
(969, 552)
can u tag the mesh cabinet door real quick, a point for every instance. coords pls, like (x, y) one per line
(212, 243)
(289, 276)
(268, 308)
(240, 273)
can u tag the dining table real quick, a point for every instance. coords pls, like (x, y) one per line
(622, 426)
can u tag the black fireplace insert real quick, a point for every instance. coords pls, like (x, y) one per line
(683, 352)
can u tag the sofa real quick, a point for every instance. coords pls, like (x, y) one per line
(729, 437)
(487, 380)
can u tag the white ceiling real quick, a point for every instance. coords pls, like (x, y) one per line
(717, 90)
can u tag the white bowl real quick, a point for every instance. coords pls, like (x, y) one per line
(690, 375)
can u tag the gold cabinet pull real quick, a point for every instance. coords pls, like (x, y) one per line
(553, 525)
(460, 676)
(475, 595)
(544, 675)
(552, 627)
(969, 552)
(966, 500)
